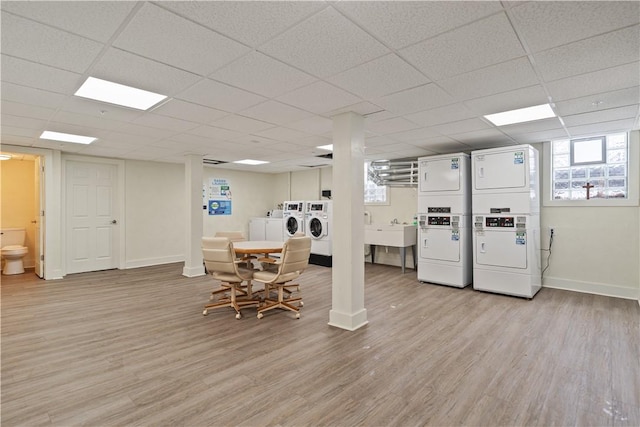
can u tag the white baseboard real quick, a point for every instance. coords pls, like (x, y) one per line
(592, 288)
(147, 262)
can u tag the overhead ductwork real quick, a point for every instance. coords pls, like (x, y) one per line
(394, 173)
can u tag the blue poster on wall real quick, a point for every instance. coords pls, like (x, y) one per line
(219, 207)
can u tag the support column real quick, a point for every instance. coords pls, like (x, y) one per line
(347, 289)
(193, 230)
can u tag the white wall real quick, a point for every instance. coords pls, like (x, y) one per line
(253, 196)
(595, 249)
(154, 213)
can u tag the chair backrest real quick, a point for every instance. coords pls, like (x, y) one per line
(218, 255)
(295, 255)
(233, 236)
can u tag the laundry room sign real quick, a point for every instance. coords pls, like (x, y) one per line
(218, 197)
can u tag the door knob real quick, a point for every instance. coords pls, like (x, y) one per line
(114, 221)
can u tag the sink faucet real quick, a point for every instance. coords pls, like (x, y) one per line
(395, 221)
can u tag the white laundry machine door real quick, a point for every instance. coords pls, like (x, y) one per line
(316, 228)
(441, 244)
(501, 248)
(292, 225)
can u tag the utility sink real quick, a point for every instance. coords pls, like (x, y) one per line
(398, 235)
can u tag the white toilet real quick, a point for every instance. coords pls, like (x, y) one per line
(13, 250)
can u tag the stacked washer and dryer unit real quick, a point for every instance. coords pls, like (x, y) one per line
(444, 208)
(318, 217)
(506, 216)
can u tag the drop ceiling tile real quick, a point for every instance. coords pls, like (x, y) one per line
(596, 53)
(38, 76)
(94, 20)
(189, 138)
(600, 128)
(12, 131)
(609, 79)
(24, 110)
(552, 123)
(252, 23)
(511, 100)
(400, 23)
(316, 125)
(42, 44)
(600, 101)
(135, 129)
(265, 76)
(129, 69)
(364, 108)
(241, 124)
(88, 107)
(379, 77)
(376, 141)
(30, 96)
(510, 75)
(113, 152)
(621, 113)
(215, 133)
(163, 122)
(394, 149)
(325, 44)
(191, 112)
(462, 126)
(544, 25)
(442, 144)
(487, 136)
(385, 127)
(540, 136)
(87, 121)
(22, 122)
(75, 129)
(416, 99)
(414, 135)
(276, 112)
(281, 134)
(477, 45)
(219, 95)
(319, 97)
(147, 35)
(440, 115)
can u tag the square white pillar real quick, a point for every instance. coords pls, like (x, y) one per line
(193, 221)
(347, 292)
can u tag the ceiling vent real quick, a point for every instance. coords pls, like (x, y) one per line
(213, 162)
(326, 156)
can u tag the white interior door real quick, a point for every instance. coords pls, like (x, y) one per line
(91, 206)
(38, 216)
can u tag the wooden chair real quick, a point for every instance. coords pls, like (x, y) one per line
(293, 261)
(220, 262)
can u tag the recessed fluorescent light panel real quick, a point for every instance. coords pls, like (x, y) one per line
(67, 137)
(326, 147)
(115, 93)
(5, 156)
(250, 162)
(521, 115)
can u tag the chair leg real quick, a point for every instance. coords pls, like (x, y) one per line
(233, 301)
(280, 303)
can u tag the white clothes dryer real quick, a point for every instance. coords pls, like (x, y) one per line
(318, 226)
(293, 218)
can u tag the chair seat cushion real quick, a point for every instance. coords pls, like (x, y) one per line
(231, 278)
(269, 276)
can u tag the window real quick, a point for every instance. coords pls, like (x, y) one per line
(374, 194)
(590, 168)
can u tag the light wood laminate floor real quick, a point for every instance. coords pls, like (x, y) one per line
(131, 347)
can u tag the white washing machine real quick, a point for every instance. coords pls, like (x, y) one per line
(293, 218)
(444, 235)
(445, 252)
(506, 254)
(318, 226)
(506, 221)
